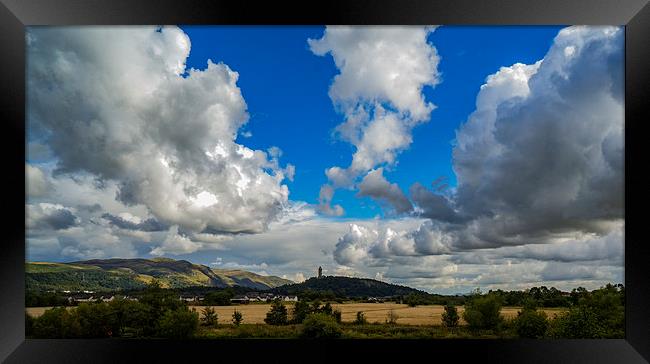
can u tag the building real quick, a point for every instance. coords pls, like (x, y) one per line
(320, 272)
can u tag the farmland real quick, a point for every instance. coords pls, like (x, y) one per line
(375, 312)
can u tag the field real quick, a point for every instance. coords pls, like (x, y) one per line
(375, 312)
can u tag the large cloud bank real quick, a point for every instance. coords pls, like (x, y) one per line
(118, 104)
(539, 165)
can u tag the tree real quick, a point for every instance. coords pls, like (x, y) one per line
(96, 320)
(57, 323)
(210, 317)
(300, 311)
(178, 324)
(277, 315)
(237, 318)
(596, 314)
(483, 312)
(531, 323)
(219, 298)
(361, 318)
(320, 326)
(450, 317)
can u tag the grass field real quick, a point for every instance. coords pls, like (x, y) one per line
(375, 312)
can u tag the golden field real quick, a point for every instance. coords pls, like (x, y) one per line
(375, 312)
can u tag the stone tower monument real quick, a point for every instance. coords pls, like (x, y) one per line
(320, 272)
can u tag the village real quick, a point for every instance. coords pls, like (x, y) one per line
(250, 297)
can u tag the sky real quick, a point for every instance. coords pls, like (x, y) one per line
(444, 158)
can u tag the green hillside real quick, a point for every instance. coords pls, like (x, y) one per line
(347, 287)
(124, 274)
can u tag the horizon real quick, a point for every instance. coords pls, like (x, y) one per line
(331, 276)
(490, 156)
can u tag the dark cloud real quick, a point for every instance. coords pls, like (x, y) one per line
(148, 225)
(60, 219)
(374, 185)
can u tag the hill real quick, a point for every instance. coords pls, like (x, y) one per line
(346, 287)
(125, 274)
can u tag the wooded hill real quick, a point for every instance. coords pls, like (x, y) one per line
(346, 287)
(128, 274)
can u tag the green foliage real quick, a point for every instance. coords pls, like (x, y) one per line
(483, 312)
(96, 320)
(596, 314)
(450, 317)
(300, 311)
(180, 323)
(57, 323)
(361, 318)
(277, 315)
(320, 326)
(331, 287)
(210, 317)
(337, 315)
(219, 298)
(531, 323)
(237, 318)
(45, 299)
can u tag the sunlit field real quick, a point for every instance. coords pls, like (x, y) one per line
(375, 312)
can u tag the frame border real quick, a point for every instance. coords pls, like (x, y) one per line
(16, 14)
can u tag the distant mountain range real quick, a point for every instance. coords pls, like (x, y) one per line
(347, 287)
(124, 274)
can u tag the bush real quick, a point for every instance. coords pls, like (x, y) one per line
(178, 324)
(210, 317)
(483, 312)
(237, 318)
(277, 315)
(391, 317)
(531, 323)
(337, 315)
(361, 318)
(320, 326)
(450, 317)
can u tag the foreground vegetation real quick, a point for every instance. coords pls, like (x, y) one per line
(159, 313)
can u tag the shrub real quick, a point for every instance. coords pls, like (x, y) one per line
(361, 318)
(237, 318)
(337, 315)
(577, 323)
(450, 317)
(391, 317)
(178, 324)
(483, 312)
(277, 315)
(320, 326)
(531, 323)
(210, 317)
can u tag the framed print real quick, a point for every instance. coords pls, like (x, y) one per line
(338, 180)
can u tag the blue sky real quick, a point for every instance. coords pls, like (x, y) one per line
(138, 147)
(285, 86)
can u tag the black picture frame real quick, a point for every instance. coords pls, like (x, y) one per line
(16, 14)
